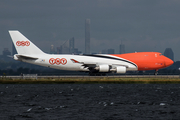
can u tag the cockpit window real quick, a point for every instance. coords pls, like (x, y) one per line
(160, 54)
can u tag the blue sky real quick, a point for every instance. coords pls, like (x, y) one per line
(142, 25)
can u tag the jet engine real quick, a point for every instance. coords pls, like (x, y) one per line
(120, 69)
(103, 68)
(107, 68)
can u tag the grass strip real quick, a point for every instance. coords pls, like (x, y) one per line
(91, 80)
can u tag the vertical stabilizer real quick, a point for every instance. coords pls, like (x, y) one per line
(23, 45)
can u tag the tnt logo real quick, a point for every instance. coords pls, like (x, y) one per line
(22, 43)
(57, 61)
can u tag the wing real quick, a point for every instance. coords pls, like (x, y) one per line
(94, 67)
(86, 65)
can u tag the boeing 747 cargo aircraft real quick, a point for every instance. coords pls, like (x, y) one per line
(92, 63)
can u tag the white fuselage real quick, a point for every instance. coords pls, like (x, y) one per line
(44, 60)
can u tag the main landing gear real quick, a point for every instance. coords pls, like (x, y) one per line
(156, 72)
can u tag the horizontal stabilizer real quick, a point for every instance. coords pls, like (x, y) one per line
(10, 56)
(26, 57)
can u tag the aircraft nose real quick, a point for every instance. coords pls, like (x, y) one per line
(168, 62)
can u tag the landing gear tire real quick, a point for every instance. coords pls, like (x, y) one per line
(156, 72)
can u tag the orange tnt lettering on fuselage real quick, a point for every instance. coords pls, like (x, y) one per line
(57, 61)
(145, 60)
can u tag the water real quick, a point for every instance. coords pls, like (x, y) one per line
(89, 101)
